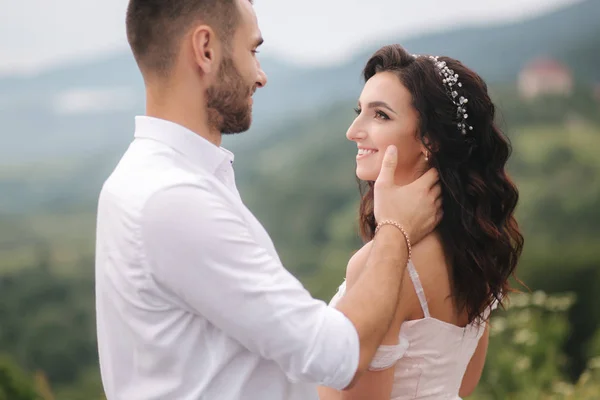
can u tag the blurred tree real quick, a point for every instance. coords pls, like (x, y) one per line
(15, 384)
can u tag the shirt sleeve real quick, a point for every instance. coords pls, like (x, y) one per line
(199, 248)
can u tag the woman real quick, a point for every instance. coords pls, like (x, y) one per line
(437, 112)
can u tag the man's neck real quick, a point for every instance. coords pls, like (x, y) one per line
(182, 112)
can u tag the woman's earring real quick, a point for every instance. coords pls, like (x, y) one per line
(426, 155)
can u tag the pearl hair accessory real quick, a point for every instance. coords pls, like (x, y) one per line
(450, 81)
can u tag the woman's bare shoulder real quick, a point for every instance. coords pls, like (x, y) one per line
(357, 262)
(435, 274)
(430, 261)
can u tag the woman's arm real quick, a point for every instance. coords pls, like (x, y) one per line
(475, 367)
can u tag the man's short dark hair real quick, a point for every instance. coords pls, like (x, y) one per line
(154, 27)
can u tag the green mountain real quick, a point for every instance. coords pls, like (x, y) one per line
(86, 109)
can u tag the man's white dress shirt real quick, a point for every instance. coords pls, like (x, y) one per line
(192, 300)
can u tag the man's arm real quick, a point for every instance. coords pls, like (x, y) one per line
(372, 384)
(200, 251)
(371, 302)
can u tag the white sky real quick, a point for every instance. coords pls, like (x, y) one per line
(37, 33)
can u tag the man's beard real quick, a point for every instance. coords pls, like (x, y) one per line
(227, 101)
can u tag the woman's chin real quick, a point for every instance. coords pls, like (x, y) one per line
(365, 175)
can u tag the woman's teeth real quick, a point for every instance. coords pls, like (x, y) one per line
(364, 152)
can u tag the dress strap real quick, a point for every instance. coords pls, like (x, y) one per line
(418, 288)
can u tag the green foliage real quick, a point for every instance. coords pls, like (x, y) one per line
(15, 384)
(525, 358)
(87, 387)
(48, 321)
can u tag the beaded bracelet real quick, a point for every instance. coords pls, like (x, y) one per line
(397, 225)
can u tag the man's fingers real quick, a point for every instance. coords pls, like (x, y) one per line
(438, 217)
(388, 168)
(436, 191)
(430, 178)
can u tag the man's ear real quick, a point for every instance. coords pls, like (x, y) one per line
(206, 48)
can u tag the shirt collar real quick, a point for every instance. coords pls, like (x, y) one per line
(190, 144)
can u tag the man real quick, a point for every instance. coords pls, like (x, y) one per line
(192, 300)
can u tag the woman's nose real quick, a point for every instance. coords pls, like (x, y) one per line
(355, 132)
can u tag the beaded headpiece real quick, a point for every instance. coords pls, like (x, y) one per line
(450, 81)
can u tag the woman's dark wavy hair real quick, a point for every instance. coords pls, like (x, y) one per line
(480, 235)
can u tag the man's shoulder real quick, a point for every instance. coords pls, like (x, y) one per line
(136, 179)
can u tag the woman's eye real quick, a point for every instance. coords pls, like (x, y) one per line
(381, 115)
